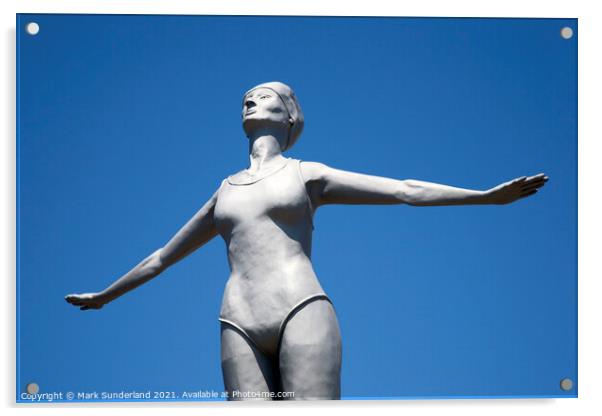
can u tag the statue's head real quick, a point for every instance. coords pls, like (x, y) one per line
(273, 104)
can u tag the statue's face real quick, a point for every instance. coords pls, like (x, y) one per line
(262, 107)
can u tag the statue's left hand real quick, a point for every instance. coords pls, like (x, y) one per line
(516, 189)
(86, 301)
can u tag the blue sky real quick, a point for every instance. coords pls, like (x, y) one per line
(127, 125)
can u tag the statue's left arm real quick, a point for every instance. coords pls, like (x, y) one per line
(333, 186)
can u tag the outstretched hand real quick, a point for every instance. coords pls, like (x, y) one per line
(516, 189)
(86, 301)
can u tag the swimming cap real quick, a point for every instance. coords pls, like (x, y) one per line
(287, 95)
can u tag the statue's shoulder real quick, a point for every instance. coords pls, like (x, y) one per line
(312, 171)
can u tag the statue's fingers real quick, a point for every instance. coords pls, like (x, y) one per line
(539, 176)
(534, 182)
(72, 300)
(79, 302)
(532, 185)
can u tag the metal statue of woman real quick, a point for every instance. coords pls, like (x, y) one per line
(279, 331)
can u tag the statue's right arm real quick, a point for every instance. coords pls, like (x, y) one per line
(196, 232)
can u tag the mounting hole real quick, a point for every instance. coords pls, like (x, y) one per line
(32, 388)
(566, 32)
(566, 384)
(32, 28)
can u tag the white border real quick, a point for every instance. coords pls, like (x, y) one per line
(590, 68)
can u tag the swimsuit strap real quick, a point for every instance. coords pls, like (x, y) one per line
(255, 180)
(243, 332)
(298, 306)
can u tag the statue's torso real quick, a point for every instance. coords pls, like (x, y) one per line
(267, 226)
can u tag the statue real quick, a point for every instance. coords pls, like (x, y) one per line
(279, 330)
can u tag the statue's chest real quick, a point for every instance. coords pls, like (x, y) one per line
(280, 197)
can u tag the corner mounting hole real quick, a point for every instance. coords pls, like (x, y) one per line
(566, 384)
(32, 388)
(566, 32)
(32, 28)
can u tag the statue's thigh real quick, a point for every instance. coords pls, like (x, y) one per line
(248, 373)
(310, 353)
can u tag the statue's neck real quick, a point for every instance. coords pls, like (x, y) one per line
(264, 151)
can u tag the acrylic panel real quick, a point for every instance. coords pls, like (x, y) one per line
(127, 125)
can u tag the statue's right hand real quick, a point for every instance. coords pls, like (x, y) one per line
(86, 301)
